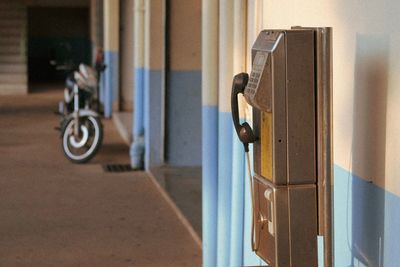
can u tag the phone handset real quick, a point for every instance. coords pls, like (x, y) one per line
(246, 136)
(244, 131)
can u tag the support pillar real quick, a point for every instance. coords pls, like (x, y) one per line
(111, 56)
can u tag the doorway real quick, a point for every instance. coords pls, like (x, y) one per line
(58, 40)
(181, 174)
(183, 84)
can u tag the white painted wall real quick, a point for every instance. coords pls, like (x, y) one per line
(126, 50)
(366, 67)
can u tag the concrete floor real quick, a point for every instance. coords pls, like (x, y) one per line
(55, 213)
(183, 185)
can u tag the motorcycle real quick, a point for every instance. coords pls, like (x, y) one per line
(80, 125)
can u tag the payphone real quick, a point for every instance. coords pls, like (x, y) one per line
(289, 88)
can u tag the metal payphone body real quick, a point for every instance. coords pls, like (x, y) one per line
(285, 88)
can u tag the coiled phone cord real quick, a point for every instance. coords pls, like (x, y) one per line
(254, 242)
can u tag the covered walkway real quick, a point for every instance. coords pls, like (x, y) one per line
(55, 213)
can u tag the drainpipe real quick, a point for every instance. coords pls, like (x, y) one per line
(111, 55)
(92, 29)
(225, 130)
(137, 147)
(254, 26)
(238, 163)
(147, 109)
(209, 130)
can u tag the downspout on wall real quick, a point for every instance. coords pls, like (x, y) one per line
(253, 26)
(226, 190)
(137, 146)
(209, 83)
(238, 162)
(225, 130)
(111, 55)
(154, 83)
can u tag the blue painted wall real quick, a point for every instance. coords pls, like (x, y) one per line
(111, 81)
(227, 202)
(137, 147)
(249, 257)
(366, 222)
(138, 118)
(238, 203)
(209, 184)
(153, 110)
(366, 216)
(225, 128)
(183, 141)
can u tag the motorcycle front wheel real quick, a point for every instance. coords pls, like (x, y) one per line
(82, 148)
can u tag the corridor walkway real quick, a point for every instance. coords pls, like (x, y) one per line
(55, 213)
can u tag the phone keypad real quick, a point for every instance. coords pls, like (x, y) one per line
(253, 82)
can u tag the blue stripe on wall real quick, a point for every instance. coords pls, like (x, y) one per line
(366, 216)
(391, 243)
(209, 184)
(146, 112)
(153, 110)
(111, 81)
(183, 117)
(137, 147)
(102, 86)
(225, 129)
(320, 244)
(237, 220)
(138, 120)
(249, 257)
(366, 222)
